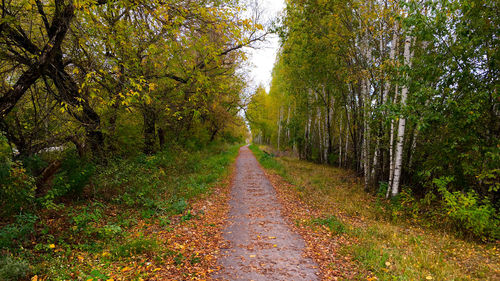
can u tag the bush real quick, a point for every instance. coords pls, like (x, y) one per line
(11, 269)
(17, 188)
(17, 233)
(468, 211)
(75, 174)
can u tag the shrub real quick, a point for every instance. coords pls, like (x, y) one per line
(468, 211)
(17, 232)
(75, 174)
(17, 188)
(11, 269)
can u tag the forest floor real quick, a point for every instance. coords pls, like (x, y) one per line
(352, 235)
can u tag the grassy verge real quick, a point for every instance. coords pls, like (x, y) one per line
(267, 160)
(125, 223)
(385, 248)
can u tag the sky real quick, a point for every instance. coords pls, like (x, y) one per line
(261, 60)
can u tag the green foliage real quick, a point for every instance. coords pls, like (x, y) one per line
(468, 212)
(333, 223)
(17, 233)
(337, 90)
(267, 160)
(73, 176)
(17, 188)
(179, 206)
(139, 246)
(12, 269)
(98, 275)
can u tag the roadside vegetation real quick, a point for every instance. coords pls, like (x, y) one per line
(386, 238)
(95, 221)
(404, 93)
(116, 117)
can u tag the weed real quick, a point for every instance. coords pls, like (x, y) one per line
(179, 259)
(136, 247)
(97, 275)
(18, 232)
(11, 269)
(333, 223)
(179, 206)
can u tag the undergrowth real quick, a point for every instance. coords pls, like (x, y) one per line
(91, 209)
(388, 239)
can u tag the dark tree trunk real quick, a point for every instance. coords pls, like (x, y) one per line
(214, 133)
(44, 179)
(161, 137)
(149, 130)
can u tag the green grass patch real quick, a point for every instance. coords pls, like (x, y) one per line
(333, 223)
(267, 160)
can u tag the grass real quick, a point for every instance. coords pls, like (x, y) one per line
(390, 249)
(267, 160)
(109, 226)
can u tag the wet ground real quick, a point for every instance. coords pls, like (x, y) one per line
(261, 245)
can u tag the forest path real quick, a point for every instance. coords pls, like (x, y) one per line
(262, 246)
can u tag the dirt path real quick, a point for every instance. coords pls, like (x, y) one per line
(261, 244)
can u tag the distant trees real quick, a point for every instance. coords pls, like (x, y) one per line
(403, 92)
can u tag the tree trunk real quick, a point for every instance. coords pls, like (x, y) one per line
(402, 124)
(149, 130)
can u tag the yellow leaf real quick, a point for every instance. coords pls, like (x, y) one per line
(111, 279)
(252, 256)
(428, 277)
(126, 268)
(272, 237)
(34, 278)
(52, 246)
(80, 258)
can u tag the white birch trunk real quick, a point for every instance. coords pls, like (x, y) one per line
(392, 56)
(279, 129)
(367, 105)
(402, 124)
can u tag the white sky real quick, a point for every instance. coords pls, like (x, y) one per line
(262, 60)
